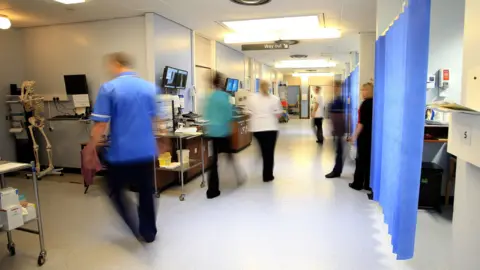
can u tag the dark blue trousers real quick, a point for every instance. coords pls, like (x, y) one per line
(140, 175)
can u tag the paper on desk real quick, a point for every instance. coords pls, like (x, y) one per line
(187, 130)
(451, 107)
(81, 101)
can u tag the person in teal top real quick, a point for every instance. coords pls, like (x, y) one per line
(219, 114)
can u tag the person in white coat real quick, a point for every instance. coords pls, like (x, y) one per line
(318, 114)
(265, 109)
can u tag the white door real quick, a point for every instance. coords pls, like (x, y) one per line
(203, 86)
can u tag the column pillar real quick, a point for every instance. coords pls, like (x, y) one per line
(367, 57)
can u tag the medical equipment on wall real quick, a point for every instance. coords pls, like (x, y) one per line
(443, 78)
(35, 109)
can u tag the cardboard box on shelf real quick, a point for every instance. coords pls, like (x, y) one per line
(8, 198)
(11, 218)
(31, 213)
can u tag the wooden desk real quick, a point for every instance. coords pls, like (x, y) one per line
(241, 136)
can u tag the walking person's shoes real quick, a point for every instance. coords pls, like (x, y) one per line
(270, 179)
(333, 175)
(213, 194)
(351, 185)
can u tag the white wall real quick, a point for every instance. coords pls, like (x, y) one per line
(173, 47)
(367, 57)
(230, 62)
(446, 45)
(11, 72)
(387, 10)
(54, 51)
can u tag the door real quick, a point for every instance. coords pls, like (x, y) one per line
(203, 87)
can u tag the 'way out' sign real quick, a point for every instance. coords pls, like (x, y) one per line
(263, 47)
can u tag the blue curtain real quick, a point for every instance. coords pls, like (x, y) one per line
(354, 97)
(351, 93)
(399, 105)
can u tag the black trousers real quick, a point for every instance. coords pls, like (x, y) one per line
(139, 175)
(339, 155)
(220, 145)
(318, 128)
(361, 178)
(267, 141)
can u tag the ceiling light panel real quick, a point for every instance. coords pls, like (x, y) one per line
(305, 64)
(70, 2)
(310, 74)
(267, 30)
(274, 25)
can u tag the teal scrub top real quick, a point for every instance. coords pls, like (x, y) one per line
(219, 113)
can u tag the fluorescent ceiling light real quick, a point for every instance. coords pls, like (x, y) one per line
(320, 33)
(5, 22)
(305, 64)
(275, 24)
(69, 2)
(320, 74)
(290, 28)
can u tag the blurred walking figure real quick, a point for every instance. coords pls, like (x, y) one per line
(318, 114)
(337, 115)
(219, 114)
(265, 109)
(128, 103)
(363, 137)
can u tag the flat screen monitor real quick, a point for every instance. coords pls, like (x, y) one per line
(169, 77)
(229, 85)
(181, 79)
(76, 84)
(235, 85)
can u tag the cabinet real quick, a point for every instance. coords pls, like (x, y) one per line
(241, 136)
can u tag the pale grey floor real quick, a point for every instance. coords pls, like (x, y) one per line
(300, 221)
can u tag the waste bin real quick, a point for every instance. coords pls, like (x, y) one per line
(430, 186)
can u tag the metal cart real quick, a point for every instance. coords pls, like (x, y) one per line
(183, 167)
(7, 167)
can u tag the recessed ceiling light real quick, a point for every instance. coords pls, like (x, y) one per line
(5, 22)
(305, 64)
(251, 2)
(70, 2)
(311, 74)
(287, 28)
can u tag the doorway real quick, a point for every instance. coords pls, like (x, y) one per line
(293, 99)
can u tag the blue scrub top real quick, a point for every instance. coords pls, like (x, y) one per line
(128, 102)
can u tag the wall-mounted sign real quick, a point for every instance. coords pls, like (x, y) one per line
(263, 47)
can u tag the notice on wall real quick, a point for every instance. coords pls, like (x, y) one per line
(304, 96)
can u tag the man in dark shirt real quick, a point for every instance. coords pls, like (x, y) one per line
(363, 137)
(337, 115)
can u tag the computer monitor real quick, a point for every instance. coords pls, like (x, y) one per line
(235, 85)
(169, 77)
(181, 80)
(76, 84)
(229, 85)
